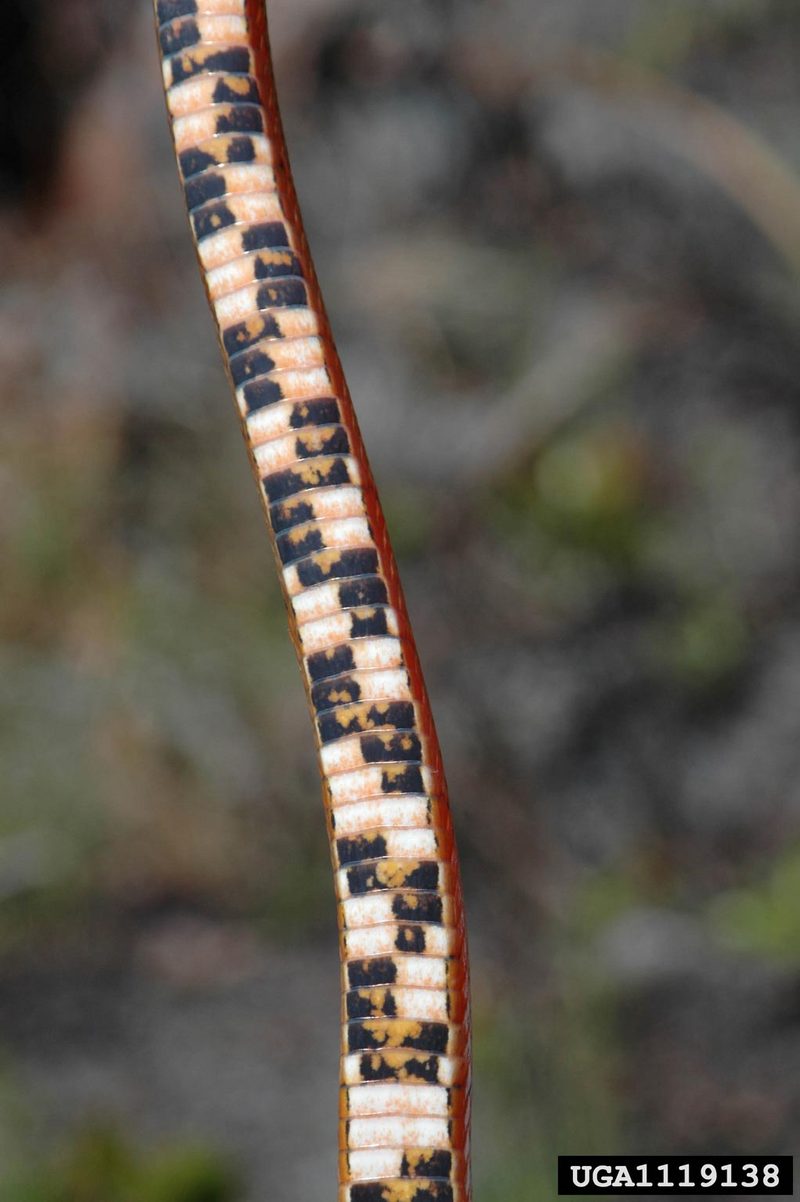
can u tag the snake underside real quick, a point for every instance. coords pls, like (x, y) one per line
(404, 1094)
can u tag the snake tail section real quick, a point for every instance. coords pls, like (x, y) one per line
(405, 1063)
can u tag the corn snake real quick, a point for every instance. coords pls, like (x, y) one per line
(405, 1065)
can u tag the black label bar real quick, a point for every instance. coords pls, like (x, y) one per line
(733, 1176)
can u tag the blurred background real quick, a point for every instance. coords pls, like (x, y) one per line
(560, 244)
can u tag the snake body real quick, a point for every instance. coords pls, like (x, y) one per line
(404, 1088)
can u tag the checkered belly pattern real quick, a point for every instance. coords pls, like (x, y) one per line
(404, 1094)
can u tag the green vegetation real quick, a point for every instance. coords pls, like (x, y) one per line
(546, 1076)
(704, 645)
(99, 1165)
(664, 38)
(764, 917)
(578, 515)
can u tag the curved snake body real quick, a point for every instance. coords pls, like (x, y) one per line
(404, 1094)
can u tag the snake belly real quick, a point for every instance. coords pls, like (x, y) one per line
(405, 1064)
